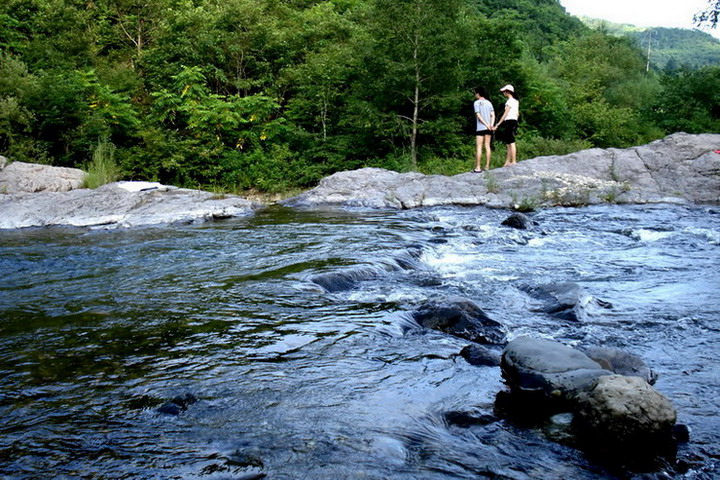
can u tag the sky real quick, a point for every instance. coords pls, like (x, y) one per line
(643, 13)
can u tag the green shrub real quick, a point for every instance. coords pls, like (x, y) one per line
(102, 169)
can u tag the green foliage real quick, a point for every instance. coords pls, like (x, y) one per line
(689, 102)
(668, 48)
(102, 169)
(269, 95)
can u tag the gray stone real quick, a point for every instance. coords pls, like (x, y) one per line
(18, 177)
(565, 300)
(622, 363)
(113, 205)
(626, 410)
(480, 356)
(462, 318)
(680, 167)
(557, 372)
(519, 221)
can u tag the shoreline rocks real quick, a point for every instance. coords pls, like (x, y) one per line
(678, 168)
(118, 205)
(20, 177)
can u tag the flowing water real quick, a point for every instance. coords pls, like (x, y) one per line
(99, 328)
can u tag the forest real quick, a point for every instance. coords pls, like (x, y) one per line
(273, 95)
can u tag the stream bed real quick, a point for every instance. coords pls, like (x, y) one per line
(291, 378)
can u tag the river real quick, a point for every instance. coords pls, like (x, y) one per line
(99, 328)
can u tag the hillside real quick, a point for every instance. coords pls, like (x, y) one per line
(670, 48)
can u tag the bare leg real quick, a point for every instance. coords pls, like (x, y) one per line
(478, 151)
(512, 154)
(488, 152)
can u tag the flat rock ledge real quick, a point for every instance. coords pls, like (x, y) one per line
(118, 205)
(678, 168)
(18, 177)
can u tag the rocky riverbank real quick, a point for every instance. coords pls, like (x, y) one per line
(43, 196)
(680, 167)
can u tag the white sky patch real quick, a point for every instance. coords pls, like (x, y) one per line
(643, 13)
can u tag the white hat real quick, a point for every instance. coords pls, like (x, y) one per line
(508, 88)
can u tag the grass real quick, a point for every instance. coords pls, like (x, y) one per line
(102, 169)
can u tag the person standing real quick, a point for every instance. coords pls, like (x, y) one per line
(484, 117)
(508, 123)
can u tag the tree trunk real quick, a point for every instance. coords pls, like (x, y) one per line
(416, 107)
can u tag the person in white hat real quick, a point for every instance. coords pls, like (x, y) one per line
(508, 123)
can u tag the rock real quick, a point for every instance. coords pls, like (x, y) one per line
(622, 363)
(112, 206)
(681, 433)
(565, 300)
(480, 356)
(462, 318)
(20, 177)
(626, 411)
(519, 221)
(680, 166)
(178, 404)
(552, 371)
(348, 279)
(467, 419)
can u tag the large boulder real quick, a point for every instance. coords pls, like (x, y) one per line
(462, 318)
(550, 370)
(118, 205)
(18, 177)
(621, 416)
(627, 411)
(679, 167)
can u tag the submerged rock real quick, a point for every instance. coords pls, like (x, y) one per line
(519, 221)
(178, 404)
(113, 205)
(469, 418)
(565, 300)
(462, 318)
(480, 356)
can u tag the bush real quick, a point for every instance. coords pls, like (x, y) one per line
(102, 169)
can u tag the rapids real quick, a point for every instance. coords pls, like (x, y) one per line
(292, 330)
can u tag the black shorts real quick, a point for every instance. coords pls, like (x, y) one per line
(482, 133)
(507, 131)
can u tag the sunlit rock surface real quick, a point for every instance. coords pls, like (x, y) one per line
(680, 167)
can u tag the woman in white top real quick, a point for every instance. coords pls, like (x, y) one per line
(508, 124)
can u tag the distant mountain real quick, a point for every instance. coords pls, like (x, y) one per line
(670, 48)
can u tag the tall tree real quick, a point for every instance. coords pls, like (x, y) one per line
(419, 53)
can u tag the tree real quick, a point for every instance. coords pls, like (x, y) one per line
(417, 60)
(590, 68)
(709, 16)
(689, 101)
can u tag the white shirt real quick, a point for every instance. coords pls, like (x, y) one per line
(514, 110)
